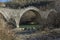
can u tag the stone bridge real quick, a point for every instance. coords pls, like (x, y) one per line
(17, 14)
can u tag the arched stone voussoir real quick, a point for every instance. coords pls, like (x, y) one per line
(29, 9)
(5, 14)
(34, 9)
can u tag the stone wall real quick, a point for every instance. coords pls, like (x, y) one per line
(57, 5)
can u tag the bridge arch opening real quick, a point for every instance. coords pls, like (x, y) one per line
(30, 17)
(51, 19)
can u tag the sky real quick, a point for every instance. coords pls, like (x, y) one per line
(4, 0)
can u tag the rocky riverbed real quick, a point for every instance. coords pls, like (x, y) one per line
(38, 35)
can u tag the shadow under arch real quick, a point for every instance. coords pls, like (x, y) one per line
(36, 12)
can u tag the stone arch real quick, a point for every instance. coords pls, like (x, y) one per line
(51, 18)
(6, 16)
(34, 9)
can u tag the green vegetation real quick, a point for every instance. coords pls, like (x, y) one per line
(28, 26)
